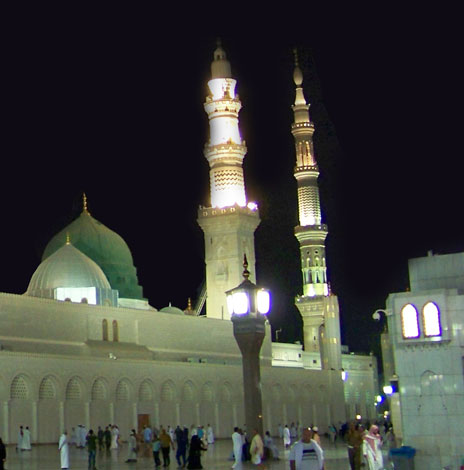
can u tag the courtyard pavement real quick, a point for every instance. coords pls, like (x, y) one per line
(46, 457)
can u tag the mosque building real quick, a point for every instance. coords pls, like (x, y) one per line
(83, 346)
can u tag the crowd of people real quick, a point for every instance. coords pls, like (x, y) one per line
(188, 444)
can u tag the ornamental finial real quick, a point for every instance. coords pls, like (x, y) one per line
(84, 204)
(246, 273)
(68, 239)
(297, 73)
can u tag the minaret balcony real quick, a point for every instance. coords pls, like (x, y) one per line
(302, 125)
(306, 168)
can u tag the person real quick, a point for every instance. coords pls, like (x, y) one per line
(166, 444)
(132, 447)
(2, 454)
(333, 434)
(281, 431)
(182, 442)
(19, 446)
(27, 439)
(354, 441)
(100, 437)
(91, 448)
(293, 432)
(156, 446)
(372, 449)
(315, 434)
(147, 438)
(306, 454)
(107, 437)
(273, 452)
(237, 444)
(210, 434)
(286, 438)
(63, 447)
(193, 430)
(194, 458)
(73, 439)
(114, 437)
(257, 449)
(83, 436)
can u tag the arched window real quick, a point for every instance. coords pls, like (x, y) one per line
(409, 322)
(115, 331)
(431, 319)
(105, 330)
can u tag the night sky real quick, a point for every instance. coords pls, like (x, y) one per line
(120, 116)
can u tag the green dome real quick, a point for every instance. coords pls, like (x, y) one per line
(103, 246)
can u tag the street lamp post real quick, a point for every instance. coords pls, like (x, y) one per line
(248, 305)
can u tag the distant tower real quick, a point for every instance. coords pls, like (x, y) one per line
(317, 306)
(229, 224)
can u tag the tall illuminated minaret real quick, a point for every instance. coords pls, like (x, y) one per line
(230, 222)
(317, 306)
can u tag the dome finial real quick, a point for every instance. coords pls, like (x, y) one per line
(297, 73)
(68, 239)
(84, 204)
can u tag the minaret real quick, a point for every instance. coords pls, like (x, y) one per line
(230, 222)
(317, 306)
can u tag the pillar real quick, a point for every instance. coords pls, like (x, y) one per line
(134, 416)
(111, 406)
(216, 417)
(87, 414)
(177, 415)
(6, 421)
(61, 417)
(35, 422)
(197, 413)
(157, 415)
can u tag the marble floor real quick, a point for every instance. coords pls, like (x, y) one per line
(46, 457)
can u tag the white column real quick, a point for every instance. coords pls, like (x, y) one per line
(300, 419)
(35, 421)
(216, 417)
(134, 416)
(269, 419)
(284, 413)
(157, 415)
(6, 420)
(234, 414)
(87, 414)
(197, 414)
(111, 406)
(61, 417)
(315, 417)
(177, 415)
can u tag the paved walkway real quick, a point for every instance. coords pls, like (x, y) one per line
(46, 457)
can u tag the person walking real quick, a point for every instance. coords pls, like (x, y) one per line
(27, 439)
(372, 448)
(257, 449)
(237, 443)
(287, 440)
(63, 447)
(182, 442)
(100, 437)
(166, 444)
(194, 458)
(354, 442)
(2, 454)
(306, 454)
(156, 446)
(132, 447)
(91, 448)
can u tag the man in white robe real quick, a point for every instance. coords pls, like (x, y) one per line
(63, 447)
(210, 435)
(27, 439)
(237, 443)
(372, 449)
(287, 439)
(20, 438)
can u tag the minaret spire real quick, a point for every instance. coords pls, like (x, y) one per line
(317, 306)
(230, 222)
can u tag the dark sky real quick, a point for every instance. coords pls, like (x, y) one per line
(120, 116)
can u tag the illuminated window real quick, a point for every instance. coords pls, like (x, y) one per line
(409, 321)
(431, 319)
(115, 331)
(105, 330)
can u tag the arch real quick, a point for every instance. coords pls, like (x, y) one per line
(168, 391)
(226, 392)
(47, 388)
(74, 389)
(431, 319)
(276, 393)
(207, 393)
(292, 392)
(188, 391)
(409, 322)
(123, 390)
(115, 331)
(19, 388)
(99, 390)
(105, 330)
(146, 391)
